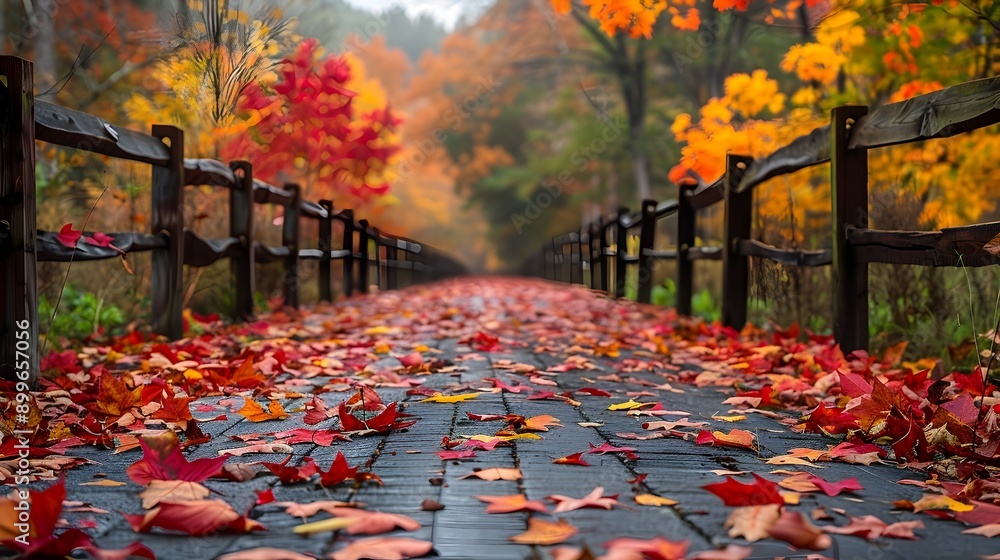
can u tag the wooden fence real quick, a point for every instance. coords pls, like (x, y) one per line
(599, 248)
(363, 249)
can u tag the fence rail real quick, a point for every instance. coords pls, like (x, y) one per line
(845, 142)
(23, 120)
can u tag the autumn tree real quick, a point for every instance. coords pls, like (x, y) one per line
(321, 125)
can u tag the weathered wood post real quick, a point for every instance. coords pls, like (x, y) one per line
(167, 280)
(592, 257)
(685, 241)
(621, 252)
(348, 245)
(18, 277)
(735, 267)
(849, 190)
(391, 265)
(579, 255)
(325, 245)
(241, 227)
(290, 239)
(556, 259)
(604, 248)
(647, 238)
(379, 261)
(363, 261)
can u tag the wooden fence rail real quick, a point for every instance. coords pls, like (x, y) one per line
(23, 120)
(845, 142)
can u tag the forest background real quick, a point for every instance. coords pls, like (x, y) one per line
(522, 120)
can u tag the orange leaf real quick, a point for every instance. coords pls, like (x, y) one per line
(545, 532)
(255, 413)
(541, 423)
(511, 503)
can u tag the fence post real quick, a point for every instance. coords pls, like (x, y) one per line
(379, 261)
(290, 239)
(604, 246)
(849, 190)
(391, 264)
(348, 245)
(241, 227)
(363, 249)
(735, 267)
(555, 260)
(325, 245)
(621, 251)
(168, 218)
(685, 241)
(591, 257)
(647, 238)
(579, 255)
(19, 350)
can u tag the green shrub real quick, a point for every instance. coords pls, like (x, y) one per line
(80, 314)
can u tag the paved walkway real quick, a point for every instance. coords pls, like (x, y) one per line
(528, 349)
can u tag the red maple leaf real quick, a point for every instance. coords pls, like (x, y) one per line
(455, 455)
(40, 542)
(734, 493)
(574, 459)
(338, 472)
(195, 517)
(834, 488)
(69, 236)
(292, 475)
(606, 447)
(162, 459)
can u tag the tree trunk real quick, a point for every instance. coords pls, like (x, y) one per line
(641, 166)
(44, 41)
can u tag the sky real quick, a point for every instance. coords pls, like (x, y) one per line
(445, 11)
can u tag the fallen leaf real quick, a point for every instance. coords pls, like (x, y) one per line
(384, 548)
(511, 503)
(752, 522)
(162, 459)
(323, 526)
(495, 473)
(172, 491)
(989, 531)
(653, 500)
(658, 547)
(545, 532)
(595, 499)
(265, 553)
(735, 438)
(439, 398)
(253, 412)
(940, 501)
(834, 488)
(735, 493)
(574, 459)
(195, 518)
(793, 528)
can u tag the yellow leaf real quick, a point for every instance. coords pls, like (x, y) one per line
(940, 501)
(439, 398)
(791, 498)
(653, 500)
(730, 418)
(332, 524)
(105, 482)
(630, 404)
